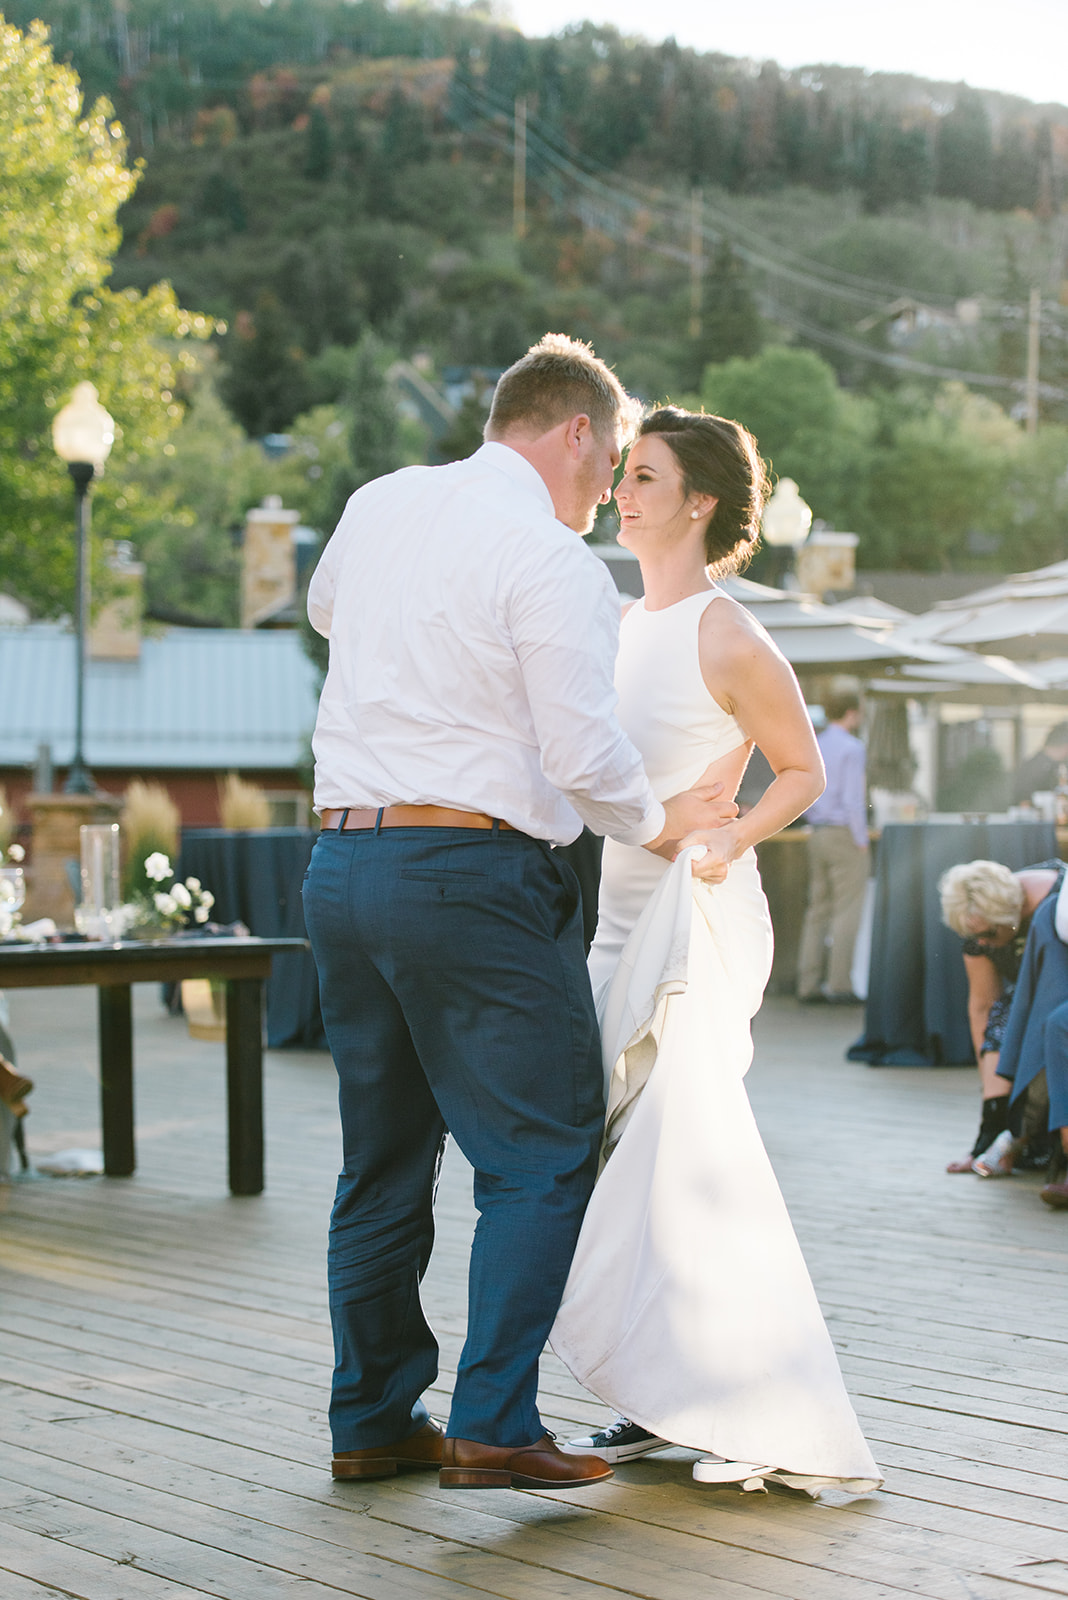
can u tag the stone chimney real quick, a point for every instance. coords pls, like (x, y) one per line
(115, 630)
(269, 562)
(827, 561)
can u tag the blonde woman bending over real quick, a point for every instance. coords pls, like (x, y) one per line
(991, 908)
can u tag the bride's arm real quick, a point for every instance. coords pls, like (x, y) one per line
(729, 771)
(752, 680)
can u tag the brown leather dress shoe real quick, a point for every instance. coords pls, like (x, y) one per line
(465, 1464)
(422, 1449)
(1055, 1195)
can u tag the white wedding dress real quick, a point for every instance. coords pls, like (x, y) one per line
(689, 1308)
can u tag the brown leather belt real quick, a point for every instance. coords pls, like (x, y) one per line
(353, 817)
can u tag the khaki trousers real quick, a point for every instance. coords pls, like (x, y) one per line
(838, 875)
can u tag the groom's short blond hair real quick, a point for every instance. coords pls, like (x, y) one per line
(557, 379)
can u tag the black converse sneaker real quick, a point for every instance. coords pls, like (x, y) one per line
(622, 1440)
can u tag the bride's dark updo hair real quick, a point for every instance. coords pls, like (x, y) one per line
(717, 457)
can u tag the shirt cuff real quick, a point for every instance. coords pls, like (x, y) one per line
(649, 828)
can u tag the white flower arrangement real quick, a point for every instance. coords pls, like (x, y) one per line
(173, 905)
(12, 889)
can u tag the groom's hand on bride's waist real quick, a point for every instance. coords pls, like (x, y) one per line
(703, 808)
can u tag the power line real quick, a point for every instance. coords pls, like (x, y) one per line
(614, 208)
(772, 257)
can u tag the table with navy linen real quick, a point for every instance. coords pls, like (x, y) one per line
(917, 1007)
(256, 877)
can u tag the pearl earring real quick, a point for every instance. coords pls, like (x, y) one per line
(694, 515)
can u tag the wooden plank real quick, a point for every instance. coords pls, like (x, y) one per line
(79, 1574)
(220, 1491)
(338, 1543)
(258, 1564)
(397, 1561)
(176, 1356)
(171, 1353)
(15, 1587)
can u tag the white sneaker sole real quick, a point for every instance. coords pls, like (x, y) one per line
(749, 1475)
(615, 1454)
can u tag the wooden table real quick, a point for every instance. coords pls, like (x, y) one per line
(243, 964)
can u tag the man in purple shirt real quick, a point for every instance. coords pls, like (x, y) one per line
(838, 861)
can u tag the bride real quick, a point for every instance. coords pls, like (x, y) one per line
(689, 1308)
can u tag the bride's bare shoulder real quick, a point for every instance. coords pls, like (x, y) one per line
(728, 628)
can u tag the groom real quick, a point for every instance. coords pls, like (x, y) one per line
(467, 724)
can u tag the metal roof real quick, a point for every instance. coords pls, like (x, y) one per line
(215, 699)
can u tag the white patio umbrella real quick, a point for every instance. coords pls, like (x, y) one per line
(1025, 615)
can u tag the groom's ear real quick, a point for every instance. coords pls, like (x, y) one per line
(577, 433)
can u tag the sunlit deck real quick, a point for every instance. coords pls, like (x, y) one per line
(165, 1355)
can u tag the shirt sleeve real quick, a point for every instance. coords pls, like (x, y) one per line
(856, 794)
(564, 623)
(323, 585)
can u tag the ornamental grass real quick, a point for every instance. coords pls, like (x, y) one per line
(150, 823)
(243, 805)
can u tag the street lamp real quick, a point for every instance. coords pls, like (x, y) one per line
(82, 435)
(787, 520)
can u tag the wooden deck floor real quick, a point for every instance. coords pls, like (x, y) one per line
(164, 1359)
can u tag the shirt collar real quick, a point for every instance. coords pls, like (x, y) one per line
(504, 459)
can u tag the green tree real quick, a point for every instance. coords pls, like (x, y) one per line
(264, 384)
(896, 163)
(730, 322)
(319, 146)
(374, 437)
(938, 493)
(807, 427)
(965, 153)
(464, 437)
(404, 134)
(64, 178)
(1012, 329)
(183, 508)
(221, 201)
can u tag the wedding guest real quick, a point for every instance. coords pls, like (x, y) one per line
(991, 908)
(1045, 769)
(837, 861)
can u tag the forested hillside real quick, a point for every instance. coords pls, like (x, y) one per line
(338, 185)
(707, 117)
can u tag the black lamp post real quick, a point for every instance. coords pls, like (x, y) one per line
(82, 434)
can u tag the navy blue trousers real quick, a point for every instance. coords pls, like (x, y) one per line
(455, 998)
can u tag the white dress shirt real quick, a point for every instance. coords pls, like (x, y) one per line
(472, 643)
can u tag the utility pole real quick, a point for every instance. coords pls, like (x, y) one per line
(519, 177)
(1031, 391)
(697, 263)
